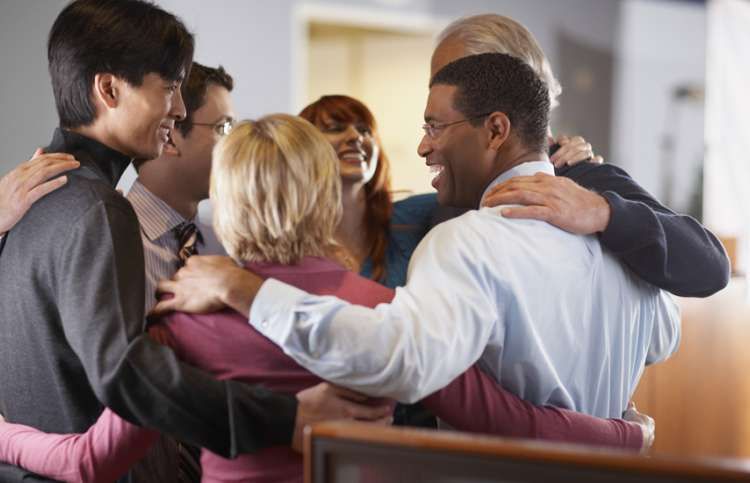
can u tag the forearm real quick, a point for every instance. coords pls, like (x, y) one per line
(474, 402)
(671, 251)
(226, 417)
(104, 453)
(395, 351)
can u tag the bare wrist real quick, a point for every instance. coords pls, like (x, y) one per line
(240, 291)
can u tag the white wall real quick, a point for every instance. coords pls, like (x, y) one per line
(662, 45)
(728, 126)
(26, 103)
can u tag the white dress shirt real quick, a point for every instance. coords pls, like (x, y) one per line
(553, 317)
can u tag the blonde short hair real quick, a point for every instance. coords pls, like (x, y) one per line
(497, 34)
(276, 191)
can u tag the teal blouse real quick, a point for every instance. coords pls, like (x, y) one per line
(411, 219)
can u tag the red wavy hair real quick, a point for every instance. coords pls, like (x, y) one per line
(379, 206)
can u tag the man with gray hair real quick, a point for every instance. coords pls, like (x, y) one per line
(669, 250)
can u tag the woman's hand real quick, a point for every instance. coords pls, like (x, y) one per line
(573, 151)
(28, 182)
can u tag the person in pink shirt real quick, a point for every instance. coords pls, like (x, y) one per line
(277, 199)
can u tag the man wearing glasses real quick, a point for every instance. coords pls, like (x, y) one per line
(166, 194)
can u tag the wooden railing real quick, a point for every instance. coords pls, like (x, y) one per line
(358, 452)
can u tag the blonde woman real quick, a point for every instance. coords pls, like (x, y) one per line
(277, 194)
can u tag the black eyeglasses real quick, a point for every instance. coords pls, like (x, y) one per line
(222, 128)
(432, 129)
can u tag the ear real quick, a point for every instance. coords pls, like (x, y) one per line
(107, 90)
(499, 126)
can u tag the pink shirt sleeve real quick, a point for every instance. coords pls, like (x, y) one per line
(103, 453)
(474, 402)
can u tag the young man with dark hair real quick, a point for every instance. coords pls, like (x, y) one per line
(166, 194)
(549, 314)
(72, 304)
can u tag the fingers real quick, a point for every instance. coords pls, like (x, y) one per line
(516, 197)
(366, 413)
(520, 182)
(348, 394)
(562, 140)
(542, 213)
(43, 159)
(514, 190)
(574, 151)
(163, 307)
(45, 189)
(47, 170)
(166, 286)
(37, 152)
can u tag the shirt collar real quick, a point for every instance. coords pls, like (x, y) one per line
(529, 168)
(104, 161)
(156, 217)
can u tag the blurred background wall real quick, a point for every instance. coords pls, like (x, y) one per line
(622, 64)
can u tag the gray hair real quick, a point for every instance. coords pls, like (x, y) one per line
(497, 34)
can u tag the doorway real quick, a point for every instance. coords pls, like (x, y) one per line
(384, 61)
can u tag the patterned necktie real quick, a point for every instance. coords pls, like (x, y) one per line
(188, 467)
(188, 237)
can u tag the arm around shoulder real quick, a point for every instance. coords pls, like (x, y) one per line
(669, 250)
(103, 453)
(396, 350)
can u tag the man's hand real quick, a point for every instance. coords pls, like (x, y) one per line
(326, 402)
(556, 200)
(207, 284)
(28, 182)
(646, 422)
(573, 151)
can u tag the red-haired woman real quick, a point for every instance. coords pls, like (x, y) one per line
(381, 235)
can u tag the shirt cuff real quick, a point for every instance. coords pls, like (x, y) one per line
(272, 310)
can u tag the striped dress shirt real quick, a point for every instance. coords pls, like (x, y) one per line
(160, 246)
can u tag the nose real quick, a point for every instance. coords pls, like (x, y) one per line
(352, 135)
(178, 111)
(424, 147)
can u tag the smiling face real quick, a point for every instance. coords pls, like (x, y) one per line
(145, 116)
(355, 146)
(458, 154)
